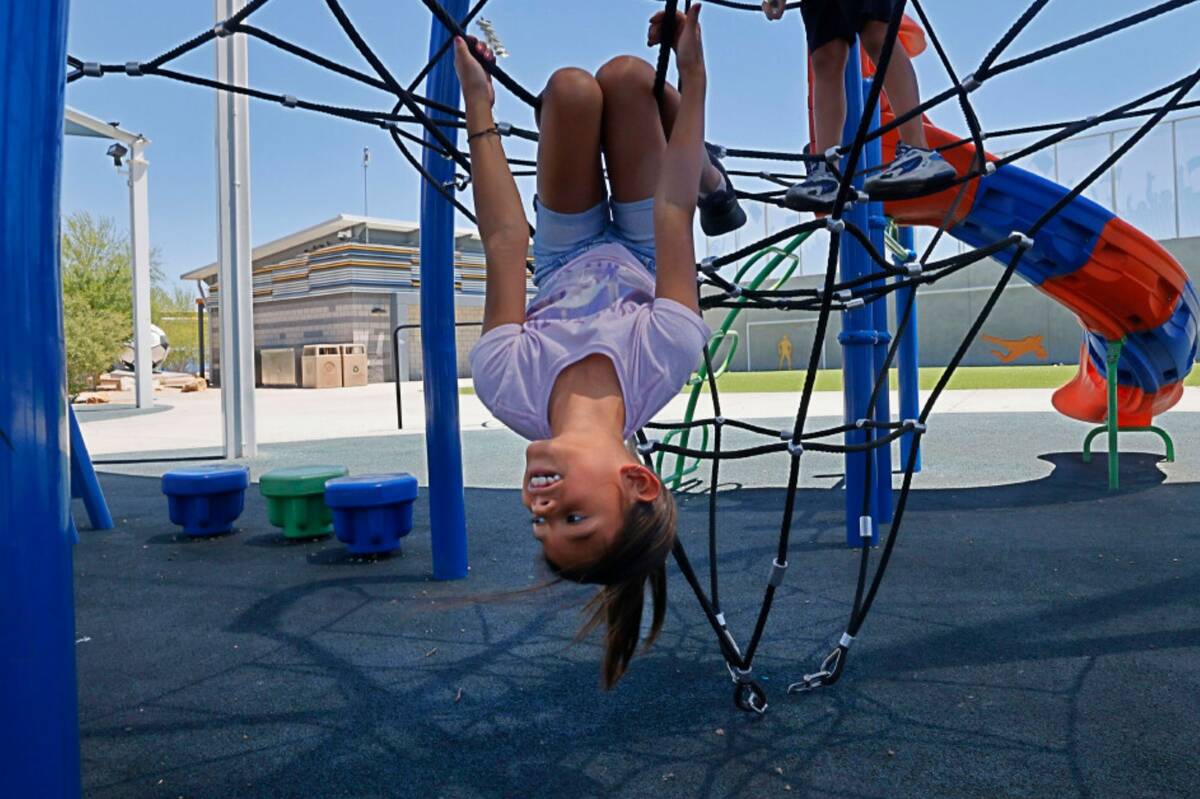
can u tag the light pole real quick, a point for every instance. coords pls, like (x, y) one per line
(365, 163)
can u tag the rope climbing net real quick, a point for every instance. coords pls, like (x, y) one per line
(412, 112)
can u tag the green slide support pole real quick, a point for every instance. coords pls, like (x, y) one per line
(1112, 422)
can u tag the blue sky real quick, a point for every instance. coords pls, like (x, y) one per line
(306, 167)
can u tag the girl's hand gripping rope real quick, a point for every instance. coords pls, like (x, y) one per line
(689, 50)
(475, 79)
(774, 9)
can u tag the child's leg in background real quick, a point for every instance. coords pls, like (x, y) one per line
(900, 82)
(829, 93)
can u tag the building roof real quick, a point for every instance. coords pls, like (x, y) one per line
(322, 231)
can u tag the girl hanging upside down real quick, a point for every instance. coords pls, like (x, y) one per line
(615, 328)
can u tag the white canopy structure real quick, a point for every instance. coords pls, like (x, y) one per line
(129, 148)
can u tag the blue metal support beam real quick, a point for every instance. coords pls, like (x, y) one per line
(447, 515)
(908, 356)
(39, 734)
(859, 337)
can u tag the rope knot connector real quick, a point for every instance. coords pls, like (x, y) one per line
(647, 447)
(221, 30)
(970, 83)
(795, 449)
(133, 68)
(92, 69)
(288, 101)
(834, 225)
(1022, 241)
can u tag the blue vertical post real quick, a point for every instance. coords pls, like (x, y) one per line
(84, 484)
(858, 330)
(443, 445)
(882, 471)
(908, 358)
(39, 713)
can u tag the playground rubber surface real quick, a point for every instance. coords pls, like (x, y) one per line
(1035, 636)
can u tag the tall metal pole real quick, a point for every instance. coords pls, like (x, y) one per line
(200, 332)
(881, 473)
(235, 260)
(39, 713)
(366, 162)
(858, 337)
(447, 514)
(908, 356)
(139, 239)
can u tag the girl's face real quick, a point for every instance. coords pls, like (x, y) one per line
(578, 489)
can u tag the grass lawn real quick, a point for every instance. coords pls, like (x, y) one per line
(966, 377)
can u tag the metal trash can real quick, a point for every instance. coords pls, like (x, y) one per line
(277, 367)
(321, 366)
(354, 364)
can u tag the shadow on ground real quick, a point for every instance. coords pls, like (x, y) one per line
(1036, 639)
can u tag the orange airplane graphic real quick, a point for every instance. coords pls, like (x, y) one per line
(1012, 348)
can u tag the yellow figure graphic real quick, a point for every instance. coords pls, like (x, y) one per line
(784, 348)
(1012, 348)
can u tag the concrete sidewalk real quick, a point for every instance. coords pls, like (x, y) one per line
(192, 421)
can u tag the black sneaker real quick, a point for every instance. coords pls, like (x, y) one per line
(912, 173)
(816, 192)
(720, 212)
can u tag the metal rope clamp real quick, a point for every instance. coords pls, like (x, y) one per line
(647, 447)
(829, 668)
(748, 695)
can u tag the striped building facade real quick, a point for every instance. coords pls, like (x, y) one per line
(351, 279)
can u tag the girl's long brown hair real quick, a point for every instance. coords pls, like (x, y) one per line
(638, 557)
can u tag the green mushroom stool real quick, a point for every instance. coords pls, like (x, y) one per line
(296, 499)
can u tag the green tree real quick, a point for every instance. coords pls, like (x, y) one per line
(98, 297)
(173, 308)
(97, 289)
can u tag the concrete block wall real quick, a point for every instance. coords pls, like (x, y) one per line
(945, 311)
(366, 318)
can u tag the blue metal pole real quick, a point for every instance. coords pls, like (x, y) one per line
(908, 358)
(39, 712)
(858, 331)
(882, 471)
(84, 484)
(443, 446)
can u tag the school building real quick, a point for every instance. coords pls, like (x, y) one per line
(350, 279)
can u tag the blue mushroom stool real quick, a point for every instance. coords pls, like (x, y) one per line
(206, 500)
(371, 512)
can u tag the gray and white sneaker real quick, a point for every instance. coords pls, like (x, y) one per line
(912, 173)
(816, 192)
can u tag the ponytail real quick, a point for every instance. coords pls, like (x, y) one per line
(638, 557)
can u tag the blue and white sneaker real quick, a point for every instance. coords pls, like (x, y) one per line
(913, 172)
(816, 192)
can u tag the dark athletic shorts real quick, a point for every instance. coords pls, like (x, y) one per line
(828, 20)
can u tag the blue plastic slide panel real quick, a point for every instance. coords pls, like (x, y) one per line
(1159, 357)
(372, 512)
(1011, 200)
(206, 500)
